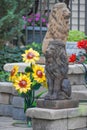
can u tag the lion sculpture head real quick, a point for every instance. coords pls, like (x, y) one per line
(58, 25)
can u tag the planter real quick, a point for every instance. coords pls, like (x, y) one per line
(71, 48)
(35, 34)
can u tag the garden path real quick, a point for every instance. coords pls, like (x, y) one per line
(6, 124)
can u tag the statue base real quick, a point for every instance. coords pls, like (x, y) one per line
(58, 119)
(57, 104)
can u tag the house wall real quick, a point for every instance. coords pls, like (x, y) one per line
(75, 15)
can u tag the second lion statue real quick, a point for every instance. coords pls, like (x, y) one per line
(56, 71)
(56, 67)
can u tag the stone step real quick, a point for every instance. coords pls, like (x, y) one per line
(80, 95)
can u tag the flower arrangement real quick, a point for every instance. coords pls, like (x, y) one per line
(31, 80)
(82, 56)
(36, 20)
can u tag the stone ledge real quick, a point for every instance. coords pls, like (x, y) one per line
(6, 87)
(79, 87)
(73, 69)
(79, 95)
(50, 114)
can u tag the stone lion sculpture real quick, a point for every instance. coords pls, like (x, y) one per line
(55, 53)
(56, 71)
(58, 25)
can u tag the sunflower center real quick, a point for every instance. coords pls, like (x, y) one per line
(39, 73)
(30, 55)
(12, 72)
(22, 83)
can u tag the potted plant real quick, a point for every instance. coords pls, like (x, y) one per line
(36, 25)
(73, 37)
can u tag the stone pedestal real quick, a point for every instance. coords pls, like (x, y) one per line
(62, 119)
(57, 104)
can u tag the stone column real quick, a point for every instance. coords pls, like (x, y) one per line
(63, 119)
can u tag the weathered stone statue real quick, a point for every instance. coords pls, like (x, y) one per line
(56, 71)
(55, 53)
(58, 25)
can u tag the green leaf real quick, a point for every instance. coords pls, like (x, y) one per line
(36, 86)
(28, 69)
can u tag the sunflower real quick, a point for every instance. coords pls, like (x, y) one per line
(45, 83)
(13, 73)
(22, 83)
(38, 73)
(30, 56)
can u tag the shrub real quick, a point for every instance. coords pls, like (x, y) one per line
(75, 35)
(10, 55)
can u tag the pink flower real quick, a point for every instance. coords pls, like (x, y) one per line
(43, 20)
(24, 18)
(38, 15)
(36, 19)
(47, 24)
(29, 19)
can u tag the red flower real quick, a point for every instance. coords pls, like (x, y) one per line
(82, 44)
(72, 58)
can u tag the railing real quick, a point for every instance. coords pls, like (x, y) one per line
(78, 19)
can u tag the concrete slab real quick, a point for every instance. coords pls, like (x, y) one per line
(6, 123)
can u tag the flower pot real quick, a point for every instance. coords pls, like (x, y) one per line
(71, 48)
(35, 34)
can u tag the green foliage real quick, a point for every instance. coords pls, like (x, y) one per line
(10, 55)
(35, 46)
(4, 76)
(75, 35)
(11, 22)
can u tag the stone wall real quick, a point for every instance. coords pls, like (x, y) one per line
(12, 105)
(75, 74)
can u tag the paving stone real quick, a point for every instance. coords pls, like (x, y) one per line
(6, 123)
